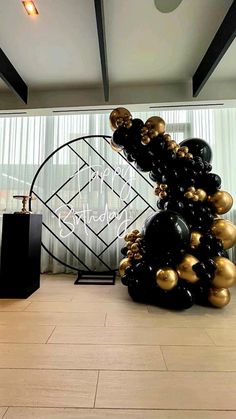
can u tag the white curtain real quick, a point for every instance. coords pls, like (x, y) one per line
(25, 142)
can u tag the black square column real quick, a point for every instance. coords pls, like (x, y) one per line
(20, 255)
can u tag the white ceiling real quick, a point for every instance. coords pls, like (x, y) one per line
(58, 50)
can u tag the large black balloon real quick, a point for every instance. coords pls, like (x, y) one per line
(165, 231)
(198, 147)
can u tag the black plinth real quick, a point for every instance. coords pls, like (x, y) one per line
(20, 255)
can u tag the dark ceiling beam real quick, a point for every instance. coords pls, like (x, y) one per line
(12, 78)
(99, 9)
(218, 47)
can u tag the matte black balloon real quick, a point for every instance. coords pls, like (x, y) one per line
(211, 182)
(201, 290)
(121, 136)
(135, 131)
(181, 298)
(144, 160)
(124, 250)
(155, 177)
(165, 231)
(177, 206)
(143, 272)
(139, 293)
(198, 147)
(125, 280)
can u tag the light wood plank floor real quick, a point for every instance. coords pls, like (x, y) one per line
(89, 352)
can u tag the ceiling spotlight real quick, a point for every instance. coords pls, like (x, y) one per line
(30, 8)
(167, 6)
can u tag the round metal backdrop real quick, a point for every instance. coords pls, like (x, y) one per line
(89, 197)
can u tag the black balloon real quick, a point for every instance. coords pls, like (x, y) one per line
(198, 147)
(181, 298)
(164, 232)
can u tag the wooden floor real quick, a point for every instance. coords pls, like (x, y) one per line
(89, 352)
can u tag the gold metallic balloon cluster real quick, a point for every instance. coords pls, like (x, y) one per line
(195, 194)
(223, 229)
(134, 250)
(152, 127)
(161, 190)
(122, 117)
(225, 273)
(224, 278)
(167, 278)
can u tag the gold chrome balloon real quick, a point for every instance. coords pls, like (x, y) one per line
(135, 232)
(145, 140)
(202, 195)
(130, 237)
(189, 195)
(195, 239)
(126, 238)
(120, 116)
(138, 256)
(115, 147)
(219, 297)
(123, 265)
(222, 201)
(225, 274)
(184, 269)
(166, 278)
(135, 248)
(225, 231)
(130, 254)
(157, 124)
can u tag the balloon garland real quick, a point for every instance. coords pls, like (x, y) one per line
(180, 256)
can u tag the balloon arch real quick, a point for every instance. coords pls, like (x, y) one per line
(180, 256)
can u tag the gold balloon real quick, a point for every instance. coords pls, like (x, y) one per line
(135, 232)
(166, 278)
(130, 254)
(202, 195)
(157, 124)
(219, 297)
(138, 256)
(195, 239)
(126, 238)
(145, 140)
(130, 237)
(115, 147)
(135, 248)
(225, 231)
(123, 265)
(222, 201)
(189, 195)
(121, 114)
(225, 273)
(184, 269)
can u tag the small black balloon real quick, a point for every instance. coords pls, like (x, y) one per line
(120, 136)
(212, 182)
(124, 250)
(198, 147)
(125, 280)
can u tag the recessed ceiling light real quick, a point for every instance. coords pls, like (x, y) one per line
(30, 8)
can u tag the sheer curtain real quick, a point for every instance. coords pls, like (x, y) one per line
(25, 142)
